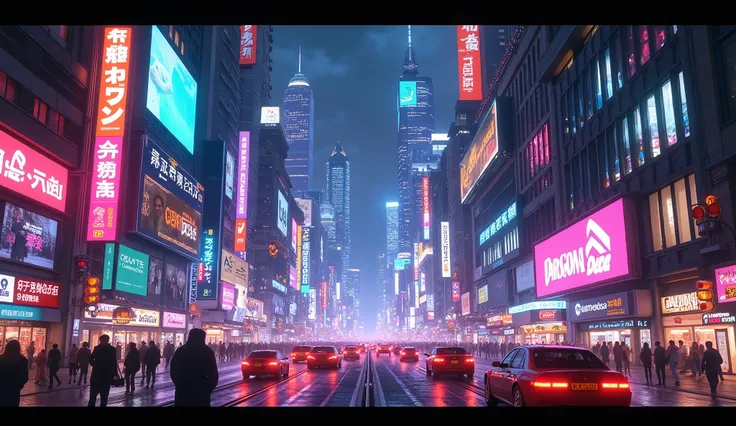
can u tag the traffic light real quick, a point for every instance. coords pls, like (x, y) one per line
(92, 293)
(705, 295)
(82, 268)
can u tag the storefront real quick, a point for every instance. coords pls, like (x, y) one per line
(144, 326)
(619, 317)
(173, 328)
(498, 326)
(540, 323)
(28, 324)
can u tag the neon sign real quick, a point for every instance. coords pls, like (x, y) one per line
(502, 220)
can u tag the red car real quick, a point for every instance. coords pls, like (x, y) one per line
(450, 360)
(265, 363)
(324, 356)
(299, 353)
(554, 376)
(350, 352)
(409, 354)
(383, 349)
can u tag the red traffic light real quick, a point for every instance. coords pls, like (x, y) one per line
(714, 210)
(702, 285)
(81, 263)
(698, 212)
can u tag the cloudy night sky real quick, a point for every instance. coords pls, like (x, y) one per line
(354, 73)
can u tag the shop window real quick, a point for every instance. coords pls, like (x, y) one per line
(8, 87)
(669, 114)
(660, 36)
(617, 63)
(656, 149)
(40, 110)
(630, 50)
(597, 85)
(644, 43)
(669, 212)
(628, 166)
(608, 73)
(639, 135)
(683, 104)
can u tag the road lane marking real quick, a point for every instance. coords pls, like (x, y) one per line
(298, 394)
(324, 403)
(403, 387)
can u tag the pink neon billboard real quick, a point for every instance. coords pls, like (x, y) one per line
(726, 284)
(105, 192)
(243, 163)
(592, 250)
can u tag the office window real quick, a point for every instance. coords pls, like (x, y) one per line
(727, 51)
(630, 50)
(628, 166)
(653, 126)
(8, 87)
(593, 170)
(573, 117)
(669, 113)
(568, 174)
(589, 94)
(56, 122)
(40, 110)
(597, 84)
(639, 135)
(614, 152)
(618, 64)
(581, 103)
(657, 243)
(577, 193)
(683, 103)
(608, 73)
(660, 36)
(669, 211)
(683, 220)
(644, 43)
(565, 115)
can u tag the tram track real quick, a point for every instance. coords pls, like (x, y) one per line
(467, 386)
(244, 398)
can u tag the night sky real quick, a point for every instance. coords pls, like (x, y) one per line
(354, 73)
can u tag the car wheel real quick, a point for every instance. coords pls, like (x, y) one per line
(491, 401)
(287, 372)
(429, 372)
(518, 397)
(277, 376)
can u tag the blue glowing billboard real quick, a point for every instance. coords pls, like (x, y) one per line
(407, 93)
(172, 91)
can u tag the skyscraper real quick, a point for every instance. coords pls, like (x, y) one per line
(392, 230)
(415, 105)
(338, 194)
(298, 125)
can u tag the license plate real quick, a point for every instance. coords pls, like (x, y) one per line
(258, 365)
(455, 362)
(585, 386)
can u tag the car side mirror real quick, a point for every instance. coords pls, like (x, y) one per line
(495, 364)
(286, 358)
(427, 355)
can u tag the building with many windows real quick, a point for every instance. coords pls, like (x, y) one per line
(298, 117)
(392, 230)
(338, 195)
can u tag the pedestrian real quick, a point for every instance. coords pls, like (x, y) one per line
(54, 363)
(626, 358)
(660, 360)
(73, 364)
(605, 353)
(168, 353)
(131, 366)
(104, 364)
(684, 356)
(618, 356)
(142, 350)
(673, 358)
(83, 356)
(695, 360)
(152, 360)
(40, 361)
(194, 371)
(13, 374)
(646, 360)
(30, 351)
(711, 364)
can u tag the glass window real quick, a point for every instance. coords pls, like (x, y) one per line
(609, 78)
(617, 63)
(669, 114)
(653, 126)
(683, 220)
(630, 50)
(589, 95)
(693, 193)
(510, 357)
(656, 222)
(573, 119)
(644, 43)
(593, 171)
(668, 217)
(567, 359)
(660, 36)
(597, 85)
(518, 361)
(566, 115)
(628, 166)
(639, 135)
(613, 149)
(606, 169)
(674, 213)
(674, 29)
(40, 110)
(568, 173)
(683, 102)
(581, 103)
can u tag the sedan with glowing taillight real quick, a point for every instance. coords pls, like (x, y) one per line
(409, 354)
(554, 376)
(450, 360)
(324, 357)
(350, 352)
(299, 353)
(265, 363)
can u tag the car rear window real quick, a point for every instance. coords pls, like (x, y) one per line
(262, 354)
(323, 350)
(410, 349)
(451, 351)
(566, 359)
(302, 349)
(350, 348)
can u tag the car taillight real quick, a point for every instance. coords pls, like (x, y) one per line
(549, 385)
(293, 354)
(469, 360)
(310, 357)
(272, 363)
(333, 357)
(438, 360)
(615, 385)
(245, 363)
(403, 352)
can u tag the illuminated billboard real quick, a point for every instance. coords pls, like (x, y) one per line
(102, 216)
(445, 248)
(172, 91)
(407, 94)
(248, 44)
(312, 304)
(305, 205)
(299, 258)
(455, 291)
(270, 115)
(305, 258)
(241, 209)
(282, 212)
(207, 279)
(293, 234)
(425, 205)
(469, 63)
(28, 237)
(466, 304)
(482, 152)
(324, 295)
(229, 175)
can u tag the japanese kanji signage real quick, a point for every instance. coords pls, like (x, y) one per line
(110, 129)
(468, 63)
(30, 173)
(29, 292)
(248, 44)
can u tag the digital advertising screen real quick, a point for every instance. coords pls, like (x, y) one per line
(132, 271)
(240, 304)
(278, 305)
(483, 151)
(176, 282)
(170, 210)
(283, 214)
(407, 94)
(155, 275)
(172, 91)
(229, 175)
(28, 237)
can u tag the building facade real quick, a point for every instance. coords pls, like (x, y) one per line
(338, 195)
(298, 124)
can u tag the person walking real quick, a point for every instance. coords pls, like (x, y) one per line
(626, 352)
(711, 364)
(83, 356)
(695, 360)
(152, 360)
(673, 358)
(131, 365)
(54, 363)
(618, 356)
(646, 360)
(142, 350)
(605, 354)
(40, 361)
(104, 364)
(660, 360)
(73, 364)
(13, 374)
(30, 351)
(194, 371)
(168, 353)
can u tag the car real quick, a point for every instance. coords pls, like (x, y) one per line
(299, 353)
(324, 357)
(396, 349)
(265, 363)
(350, 352)
(409, 354)
(450, 360)
(362, 348)
(383, 349)
(539, 375)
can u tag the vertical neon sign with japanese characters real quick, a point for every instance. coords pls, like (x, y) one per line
(102, 222)
(248, 44)
(425, 205)
(305, 258)
(468, 63)
(207, 287)
(241, 211)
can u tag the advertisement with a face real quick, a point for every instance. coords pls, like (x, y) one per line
(466, 304)
(482, 152)
(170, 202)
(132, 271)
(28, 237)
(592, 250)
(254, 309)
(172, 91)
(176, 283)
(282, 211)
(278, 305)
(29, 292)
(229, 174)
(726, 284)
(155, 276)
(240, 304)
(305, 205)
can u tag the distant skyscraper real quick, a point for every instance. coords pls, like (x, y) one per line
(392, 230)
(415, 106)
(298, 126)
(494, 42)
(338, 194)
(327, 213)
(382, 284)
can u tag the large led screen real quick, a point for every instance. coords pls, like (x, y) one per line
(172, 91)
(482, 152)
(407, 94)
(283, 214)
(28, 237)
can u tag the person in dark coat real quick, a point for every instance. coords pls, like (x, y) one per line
(104, 364)
(54, 363)
(194, 372)
(646, 359)
(711, 364)
(604, 353)
(168, 353)
(660, 361)
(83, 356)
(152, 360)
(132, 364)
(13, 374)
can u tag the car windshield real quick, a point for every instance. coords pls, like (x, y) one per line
(566, 359)
(263, 354)
(323, 350)
(302, 349)
(451, 351)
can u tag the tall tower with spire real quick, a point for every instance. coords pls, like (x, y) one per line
(298, 127)
(338, 195)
